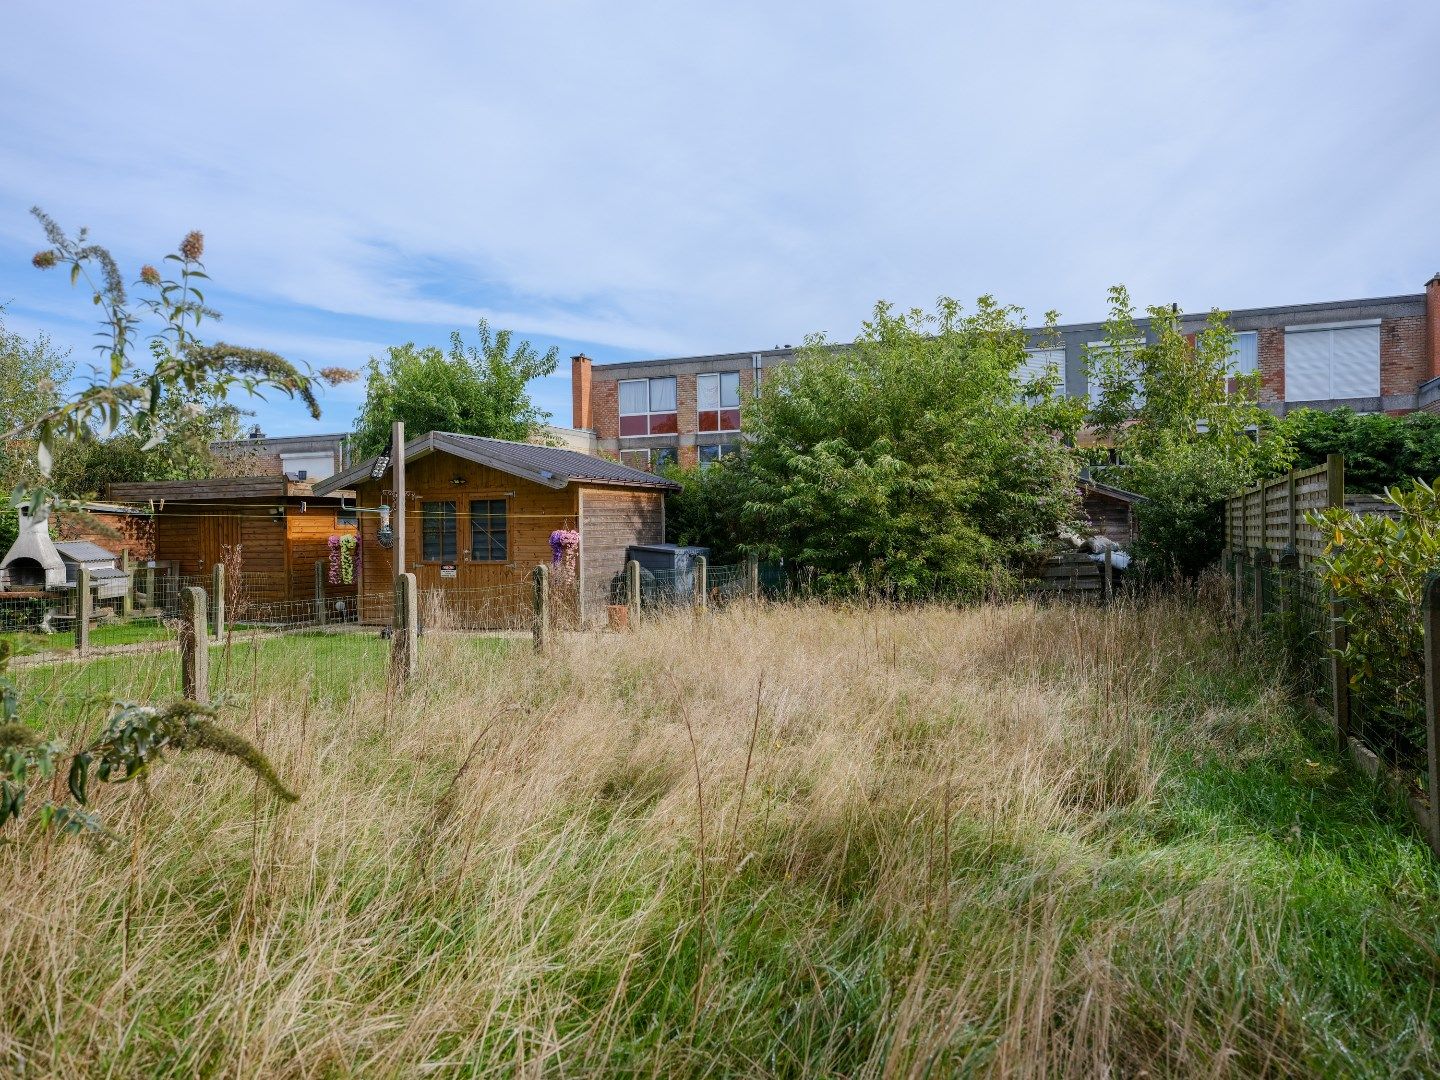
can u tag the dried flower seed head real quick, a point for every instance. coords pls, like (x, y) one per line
(193, 246)
(44, 260)
(337, 375)
(149, 275)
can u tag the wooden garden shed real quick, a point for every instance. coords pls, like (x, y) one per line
(480, 513)
(281, 526)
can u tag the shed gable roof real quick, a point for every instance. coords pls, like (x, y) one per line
(552, 466)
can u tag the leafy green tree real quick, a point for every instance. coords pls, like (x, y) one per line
(918, 461)
(703, 512)
(1189, 429)
(32, 375)
(1379, 450)
(469, 390)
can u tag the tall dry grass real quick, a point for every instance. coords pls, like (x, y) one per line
(786, 840)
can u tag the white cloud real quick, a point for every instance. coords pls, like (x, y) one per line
(674, 179)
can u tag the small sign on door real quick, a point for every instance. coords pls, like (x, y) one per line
(447, 570)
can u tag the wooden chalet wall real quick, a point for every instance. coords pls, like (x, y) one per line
(534, 511)
(1110, 517)
(194, 522)
(611, 520)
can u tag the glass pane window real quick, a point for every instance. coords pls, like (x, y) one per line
(717, 401)
(636, 459)
(437, 531)
(710, 454)
(647, 407)
(489, 531)
(664, 455)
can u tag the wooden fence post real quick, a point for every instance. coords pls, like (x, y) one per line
(1431, 615)
(632, 591)
(1108, 583)
(217, 591)
(84, 601)
(1339, 674)
(702, 582)
(1292, 525)
(1335, 480)
(1239, 582)
(194, 648)
(540, 577)
(752, 575)
(1289, 567)
(405, 640)
(150, 584)
(321, 567)
(127, 602)
(1262, 566)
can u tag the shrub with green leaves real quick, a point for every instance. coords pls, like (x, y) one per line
(1376, 567)
(921, 460)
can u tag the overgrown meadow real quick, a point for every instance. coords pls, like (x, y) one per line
(781, 840)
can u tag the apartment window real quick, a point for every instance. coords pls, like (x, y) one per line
(662, 456)
(1096, 355)
(1039, 363)
(636, 459)
(437, 531)
(489, 530)
(711, 454)
(647, 407)
(1327, 362)
(717, 401)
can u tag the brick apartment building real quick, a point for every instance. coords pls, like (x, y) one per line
(1373, 355)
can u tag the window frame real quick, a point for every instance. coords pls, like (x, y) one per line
(1329, 330)
(650, 413)
(491, 502)
(637, 450)
(426, 517)
(721, 412)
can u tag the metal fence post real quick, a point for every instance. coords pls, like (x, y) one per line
(405, 641)
(127, 602)
(702, 581)
(632, 591)
(1339, 673)
(540, 577)
(752, 574)
(1431, 614)
(194, 648)
(83, 605)
(321, 566)
(217, 590)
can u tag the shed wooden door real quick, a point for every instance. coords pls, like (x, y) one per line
(217, 532)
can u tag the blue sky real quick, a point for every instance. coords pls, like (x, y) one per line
(657, 179)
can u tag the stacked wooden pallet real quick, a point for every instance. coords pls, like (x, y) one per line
(1071, 572)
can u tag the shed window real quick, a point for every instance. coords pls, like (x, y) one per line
(647, 407)
(489, 531)
(717, 401)
(437, 531)
(1332, 362)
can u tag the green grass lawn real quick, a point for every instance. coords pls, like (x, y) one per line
(117, 633)
(793, 840)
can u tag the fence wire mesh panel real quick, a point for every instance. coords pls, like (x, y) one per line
(509, 606)
(727, 583)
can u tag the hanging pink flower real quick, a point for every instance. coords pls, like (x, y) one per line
(565, 554)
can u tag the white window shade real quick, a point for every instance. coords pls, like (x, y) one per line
(662, 395)
(634, 397)
(316, 465)
(1038, 363)
(1335, 362)
(1245, 356)
(707, 391)
(1355, 362)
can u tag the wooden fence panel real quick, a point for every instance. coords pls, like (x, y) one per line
(1272, 515)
